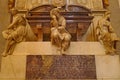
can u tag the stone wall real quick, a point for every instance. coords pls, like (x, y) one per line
(4, 21)
(115, 15)
(115, 18)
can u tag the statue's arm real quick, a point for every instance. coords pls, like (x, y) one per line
(17, 33)
(63, 24)
(111, 30)
(13, 23)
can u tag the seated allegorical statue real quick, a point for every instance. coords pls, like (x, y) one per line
(106, 34)
(18, 31)
(60, 37)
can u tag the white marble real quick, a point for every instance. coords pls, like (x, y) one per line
(45, 48)
(100, 79)
(111, 79)
(13, 68)
(108, 67)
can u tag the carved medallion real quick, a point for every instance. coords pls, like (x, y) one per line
(58, 3)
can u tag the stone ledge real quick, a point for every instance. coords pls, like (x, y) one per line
(45, 48)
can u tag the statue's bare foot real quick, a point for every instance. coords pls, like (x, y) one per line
(9, 53)
(59, 50)
(111, 53)
(63, 52)
(4, 54)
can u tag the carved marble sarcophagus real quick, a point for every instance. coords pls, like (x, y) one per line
(78, 20)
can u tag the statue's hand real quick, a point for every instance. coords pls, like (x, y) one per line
(5, 34)
(9, 27)
(60, 28)
(9, 37)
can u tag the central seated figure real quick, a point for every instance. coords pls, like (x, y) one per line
(60, 37)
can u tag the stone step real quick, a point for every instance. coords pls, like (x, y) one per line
(45, 48)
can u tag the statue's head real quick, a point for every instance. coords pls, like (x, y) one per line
(55, 12)
(13, 11)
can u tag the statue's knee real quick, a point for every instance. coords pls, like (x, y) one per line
(67, 38)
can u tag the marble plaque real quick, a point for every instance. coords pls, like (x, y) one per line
(97, 4)
(27, 4)
(60, 67)
(20, 4)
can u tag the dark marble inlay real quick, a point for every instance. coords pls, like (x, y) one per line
(60, 67)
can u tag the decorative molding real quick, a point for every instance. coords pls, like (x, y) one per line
(99, 12)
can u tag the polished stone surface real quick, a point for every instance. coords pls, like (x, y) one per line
(45, 48)
(14, 67)
(108, 66)
(60, 67)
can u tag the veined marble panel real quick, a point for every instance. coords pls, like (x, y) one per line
(13, 68)
(20, 4)
(107, 67)
(60, 67)
(97, 4)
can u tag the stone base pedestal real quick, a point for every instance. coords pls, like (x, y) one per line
(45, 48)
(87, 62)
